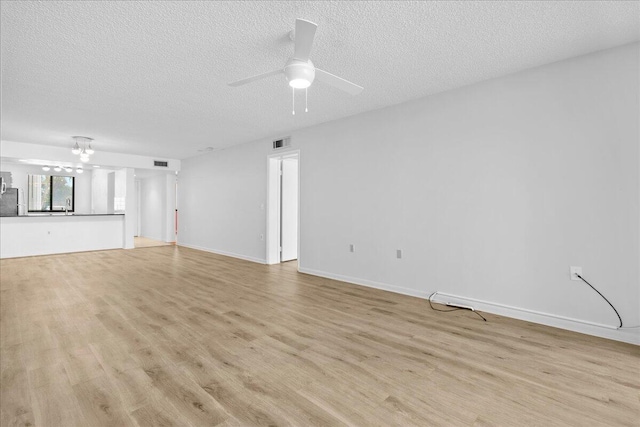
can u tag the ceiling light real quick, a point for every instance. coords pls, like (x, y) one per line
(84, 159)
(299, 83)
(83, 147)
(57, 169)
(79, 170)
(300, 74)
(45, 168)
(67, 169)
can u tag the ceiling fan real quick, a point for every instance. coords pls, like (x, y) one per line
(299, 70)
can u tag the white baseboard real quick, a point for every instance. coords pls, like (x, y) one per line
(631, 336)
(219, 252)
(364, 282)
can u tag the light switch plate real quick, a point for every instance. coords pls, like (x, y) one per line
(575, 270)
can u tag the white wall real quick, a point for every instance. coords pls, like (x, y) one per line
(222, 198)
(55, 154)
(127, 181)
(82, 183)
(492, 191)
(120, 190)
(99, 191)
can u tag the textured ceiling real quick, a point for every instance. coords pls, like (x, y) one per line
(151, 77)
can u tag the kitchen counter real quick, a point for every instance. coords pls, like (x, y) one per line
(44, 234)
(71, 214)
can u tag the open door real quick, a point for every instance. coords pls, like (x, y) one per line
(283, 207)
(289, 209)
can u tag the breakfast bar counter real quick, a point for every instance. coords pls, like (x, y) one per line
(44, 234)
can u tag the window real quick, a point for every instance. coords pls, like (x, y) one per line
(51, 193)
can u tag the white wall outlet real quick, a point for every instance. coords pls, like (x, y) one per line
(399, 253)
(352, 248)
(574, 271)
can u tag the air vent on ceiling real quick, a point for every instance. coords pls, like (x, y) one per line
(160, 163)
(281, 143)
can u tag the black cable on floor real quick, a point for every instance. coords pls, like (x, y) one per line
(603, 297)
(451, 309)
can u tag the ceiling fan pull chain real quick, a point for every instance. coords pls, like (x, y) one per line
(306, 110)
(293, 101)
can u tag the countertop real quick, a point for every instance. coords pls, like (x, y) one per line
(47, 215)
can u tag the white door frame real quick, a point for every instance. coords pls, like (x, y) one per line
(139, 205)
(273, 205)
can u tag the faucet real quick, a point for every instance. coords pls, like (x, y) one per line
(67, 205)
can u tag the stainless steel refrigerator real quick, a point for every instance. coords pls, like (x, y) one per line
(9, 202)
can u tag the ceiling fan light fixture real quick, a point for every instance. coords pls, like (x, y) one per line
(299, 83)
(76, 149)
(84, 159)
(299, 74)
(299, 70)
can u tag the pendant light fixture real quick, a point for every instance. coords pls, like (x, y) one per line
(83, 147)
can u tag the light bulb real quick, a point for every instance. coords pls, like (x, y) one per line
(57, 169)
(79, 170)
(45, 168)
(89, 150)
(68, 169)
(299, 83)
(76, 149)
(84, 159)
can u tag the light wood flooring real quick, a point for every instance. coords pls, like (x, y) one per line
(145, 242)
(173, 336)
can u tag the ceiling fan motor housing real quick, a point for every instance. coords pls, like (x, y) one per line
(300, 74)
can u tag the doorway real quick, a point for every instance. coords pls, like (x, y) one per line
(283, 207)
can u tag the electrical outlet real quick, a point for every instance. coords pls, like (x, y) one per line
(352, 248)
(399, 253)
(574, 271)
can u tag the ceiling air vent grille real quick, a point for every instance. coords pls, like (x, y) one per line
(160, 163)
(281, 143)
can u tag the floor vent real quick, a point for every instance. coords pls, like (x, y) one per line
(281, 143)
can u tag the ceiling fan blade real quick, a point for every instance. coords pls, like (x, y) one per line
(305, 31)
(338, 82)
(254, 78)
